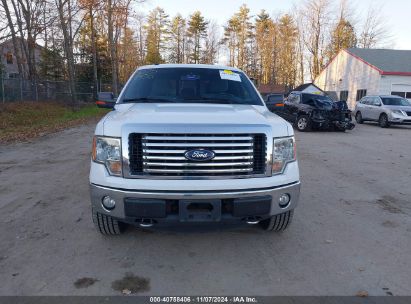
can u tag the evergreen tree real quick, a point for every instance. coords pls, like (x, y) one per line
(197, 30)
(238, 36)
(287, 68)
(245, 35)
(84, 44)
(177, 39)
(265, 50)
(231, 39)
(128, 55)
(51, 66)
(342, 37)
(157, 25)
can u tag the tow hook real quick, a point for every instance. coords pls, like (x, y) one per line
(146, 223)
(252, 220)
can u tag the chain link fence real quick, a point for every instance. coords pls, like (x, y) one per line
(15, 89)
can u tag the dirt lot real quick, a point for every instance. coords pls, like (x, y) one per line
(351, 231)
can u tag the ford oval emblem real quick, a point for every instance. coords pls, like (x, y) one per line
(199, 155)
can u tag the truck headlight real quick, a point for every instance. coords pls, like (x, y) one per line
(284, 152)
(107, 151)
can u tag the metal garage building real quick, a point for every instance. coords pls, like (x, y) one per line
(355, 72)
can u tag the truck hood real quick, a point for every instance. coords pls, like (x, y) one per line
(155, 114)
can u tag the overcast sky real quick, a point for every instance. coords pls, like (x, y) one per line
(396, 12)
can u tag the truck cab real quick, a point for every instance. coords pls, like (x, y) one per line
(192, 143)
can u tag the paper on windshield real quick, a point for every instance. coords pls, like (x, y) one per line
(229, 75)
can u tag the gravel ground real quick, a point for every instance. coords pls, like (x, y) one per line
(351, 231)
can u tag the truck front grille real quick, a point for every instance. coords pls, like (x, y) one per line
(242, 155)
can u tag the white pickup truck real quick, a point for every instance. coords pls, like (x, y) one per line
(192, 143)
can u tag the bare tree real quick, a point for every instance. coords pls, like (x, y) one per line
(16, 48)
(212, 43)
(111, 45)
(315, 16)
(140, 37)
(28, 17)
(92, 8)
(375, 32)
(64, 8)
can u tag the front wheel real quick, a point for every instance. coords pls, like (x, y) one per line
(278, 222)
(303, 123)
(383, 121)
(107, 225)
(358, 117)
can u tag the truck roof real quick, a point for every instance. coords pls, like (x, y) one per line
(189, 65)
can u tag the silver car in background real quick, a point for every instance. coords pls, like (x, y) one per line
(384, 109)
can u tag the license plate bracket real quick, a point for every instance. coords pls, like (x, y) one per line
(200, 210)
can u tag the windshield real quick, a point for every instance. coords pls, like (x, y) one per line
(190, 85)
(319, 101)
(393, 101)
(275, 98)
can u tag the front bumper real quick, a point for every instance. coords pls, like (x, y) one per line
(133, 206)
(400, 120)
(327, 123)
(325, 119)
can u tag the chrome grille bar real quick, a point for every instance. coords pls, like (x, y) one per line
(199, 138)
(185, 159)
(198, 164)
(205, 145)
(199, 171)
(163, 155)
(175, 151)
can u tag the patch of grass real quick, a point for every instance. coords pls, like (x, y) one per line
(26, 120)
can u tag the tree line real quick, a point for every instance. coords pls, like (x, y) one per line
(92, 40)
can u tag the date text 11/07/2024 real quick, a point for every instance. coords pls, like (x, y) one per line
(204, 299)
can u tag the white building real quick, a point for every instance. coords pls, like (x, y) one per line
(355, 72)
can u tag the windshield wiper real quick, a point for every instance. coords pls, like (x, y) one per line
(146, 99)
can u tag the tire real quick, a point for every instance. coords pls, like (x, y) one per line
(339, 128)
(358, 118)
(303, 123)
(383, 121)
(107, 225)
(278, 222)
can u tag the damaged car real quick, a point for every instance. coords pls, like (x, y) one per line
(313, 111)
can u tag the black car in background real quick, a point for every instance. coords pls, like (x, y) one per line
(274, 101)
(312, 111)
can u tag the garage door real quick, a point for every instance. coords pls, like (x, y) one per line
(403, 90)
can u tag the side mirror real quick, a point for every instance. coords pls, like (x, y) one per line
(106, 100)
